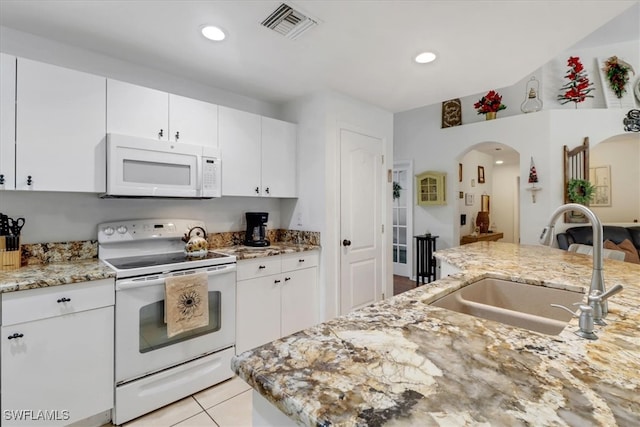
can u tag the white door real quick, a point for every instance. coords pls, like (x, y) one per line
(360, 220)
(137, 111)
(193, 121)
(60, 129)
(402, 218)
(239, 139)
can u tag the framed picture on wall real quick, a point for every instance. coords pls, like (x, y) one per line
(600, 177)
(480, 174)
(468, 201)
(459, 172)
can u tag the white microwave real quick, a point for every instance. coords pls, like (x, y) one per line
(138, 167)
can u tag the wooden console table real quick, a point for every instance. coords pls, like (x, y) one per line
(482, 237)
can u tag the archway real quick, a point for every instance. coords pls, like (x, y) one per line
(489, 169)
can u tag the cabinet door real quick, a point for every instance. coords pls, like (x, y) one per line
(299, 300)
(60, 363)
(239, 139)
(193, 121)
(60, 129)
(279, 164)
(137, 111)
(7, 121)
(258, 312)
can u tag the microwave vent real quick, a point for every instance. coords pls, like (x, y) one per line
(289, 22)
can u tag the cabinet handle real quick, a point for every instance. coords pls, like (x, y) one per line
(177, 136)
(257, 190)
(261, 267)
(266, 190)
(286, 279)
(64, 299)
(161, 133)
(16, 335)
(276, 281)
(346, 242)
(29, 181)
(301, 260)
(1, 179)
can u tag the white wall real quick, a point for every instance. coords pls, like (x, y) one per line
(320, 117)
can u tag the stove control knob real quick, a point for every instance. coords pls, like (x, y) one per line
(109, 231)
(122, 229)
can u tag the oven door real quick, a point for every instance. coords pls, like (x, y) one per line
(142, 345)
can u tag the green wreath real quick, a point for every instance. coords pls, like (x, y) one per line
(580, 191)
(396, 190)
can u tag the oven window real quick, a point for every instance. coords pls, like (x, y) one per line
(136, 171)
(153, 330)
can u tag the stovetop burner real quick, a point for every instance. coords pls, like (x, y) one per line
(127, 263)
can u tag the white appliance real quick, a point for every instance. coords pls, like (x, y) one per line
(138, 167)
(151, 369)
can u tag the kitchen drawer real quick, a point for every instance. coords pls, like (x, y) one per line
(259, 267)
(42, 303)
(300, 260)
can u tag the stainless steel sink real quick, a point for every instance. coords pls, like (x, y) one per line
(517, 304)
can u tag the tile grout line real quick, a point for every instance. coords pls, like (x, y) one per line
(205, 411)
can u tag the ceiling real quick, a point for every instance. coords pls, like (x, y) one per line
(364, 49)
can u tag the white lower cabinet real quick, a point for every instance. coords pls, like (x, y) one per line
(270, 306)
(57, 364)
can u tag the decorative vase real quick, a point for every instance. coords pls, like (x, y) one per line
(482, 221)
(490, 115)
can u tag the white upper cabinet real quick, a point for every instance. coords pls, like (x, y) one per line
(137, 111)
(193, 121)
(60, 129)
(7, 121)
(149, 113)
(239, 138)
(258, 155)
(278, 158)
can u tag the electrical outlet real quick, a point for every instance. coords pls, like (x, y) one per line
(299, 219)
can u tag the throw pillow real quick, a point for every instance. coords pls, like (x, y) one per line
(631, 254)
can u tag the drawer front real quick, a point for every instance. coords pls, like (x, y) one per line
(259, 267)
(42, 303)
(300, 260)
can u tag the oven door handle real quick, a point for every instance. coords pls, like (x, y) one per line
(155, 280)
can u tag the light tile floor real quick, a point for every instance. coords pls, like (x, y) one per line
(228, 404)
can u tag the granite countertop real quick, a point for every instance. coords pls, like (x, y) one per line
(278, 248)
(83, 270)
(401, 362)
(53, 274)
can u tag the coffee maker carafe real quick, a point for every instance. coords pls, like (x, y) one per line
(256, 234)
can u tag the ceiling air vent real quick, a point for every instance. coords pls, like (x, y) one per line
(289, 22)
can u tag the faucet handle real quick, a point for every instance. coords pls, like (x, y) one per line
(596, 300)
(585, 323)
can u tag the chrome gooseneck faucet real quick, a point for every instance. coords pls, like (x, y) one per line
(597, 277)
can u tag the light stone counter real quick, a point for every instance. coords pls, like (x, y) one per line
(248, 252)
(402, 362)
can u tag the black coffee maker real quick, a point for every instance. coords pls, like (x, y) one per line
(256, 234)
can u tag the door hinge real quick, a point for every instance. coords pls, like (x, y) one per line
(383, 228)
(383, 159)
(383, 295)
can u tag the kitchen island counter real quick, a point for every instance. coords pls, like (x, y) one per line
(404, 362)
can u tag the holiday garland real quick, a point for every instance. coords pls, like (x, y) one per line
(579, 86)
(617, 72)
(580, 191)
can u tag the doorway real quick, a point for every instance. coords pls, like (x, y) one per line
(402, 250)
(361, 201)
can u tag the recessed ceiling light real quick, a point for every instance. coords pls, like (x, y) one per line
(213, 33)
(499, 162)
(425, 57)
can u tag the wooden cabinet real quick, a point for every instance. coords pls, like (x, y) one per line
(270, 306)
(60, 129)
(258, 155)
(7, 121)
(149, 113)
(57, 352)
(431, 188)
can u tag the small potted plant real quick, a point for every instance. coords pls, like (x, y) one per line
(490, 104)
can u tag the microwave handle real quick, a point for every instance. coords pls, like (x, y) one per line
(142, 283)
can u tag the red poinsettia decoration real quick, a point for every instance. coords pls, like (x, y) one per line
(579, 86)
(490, 103)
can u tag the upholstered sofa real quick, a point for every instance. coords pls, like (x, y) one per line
(613, 233)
